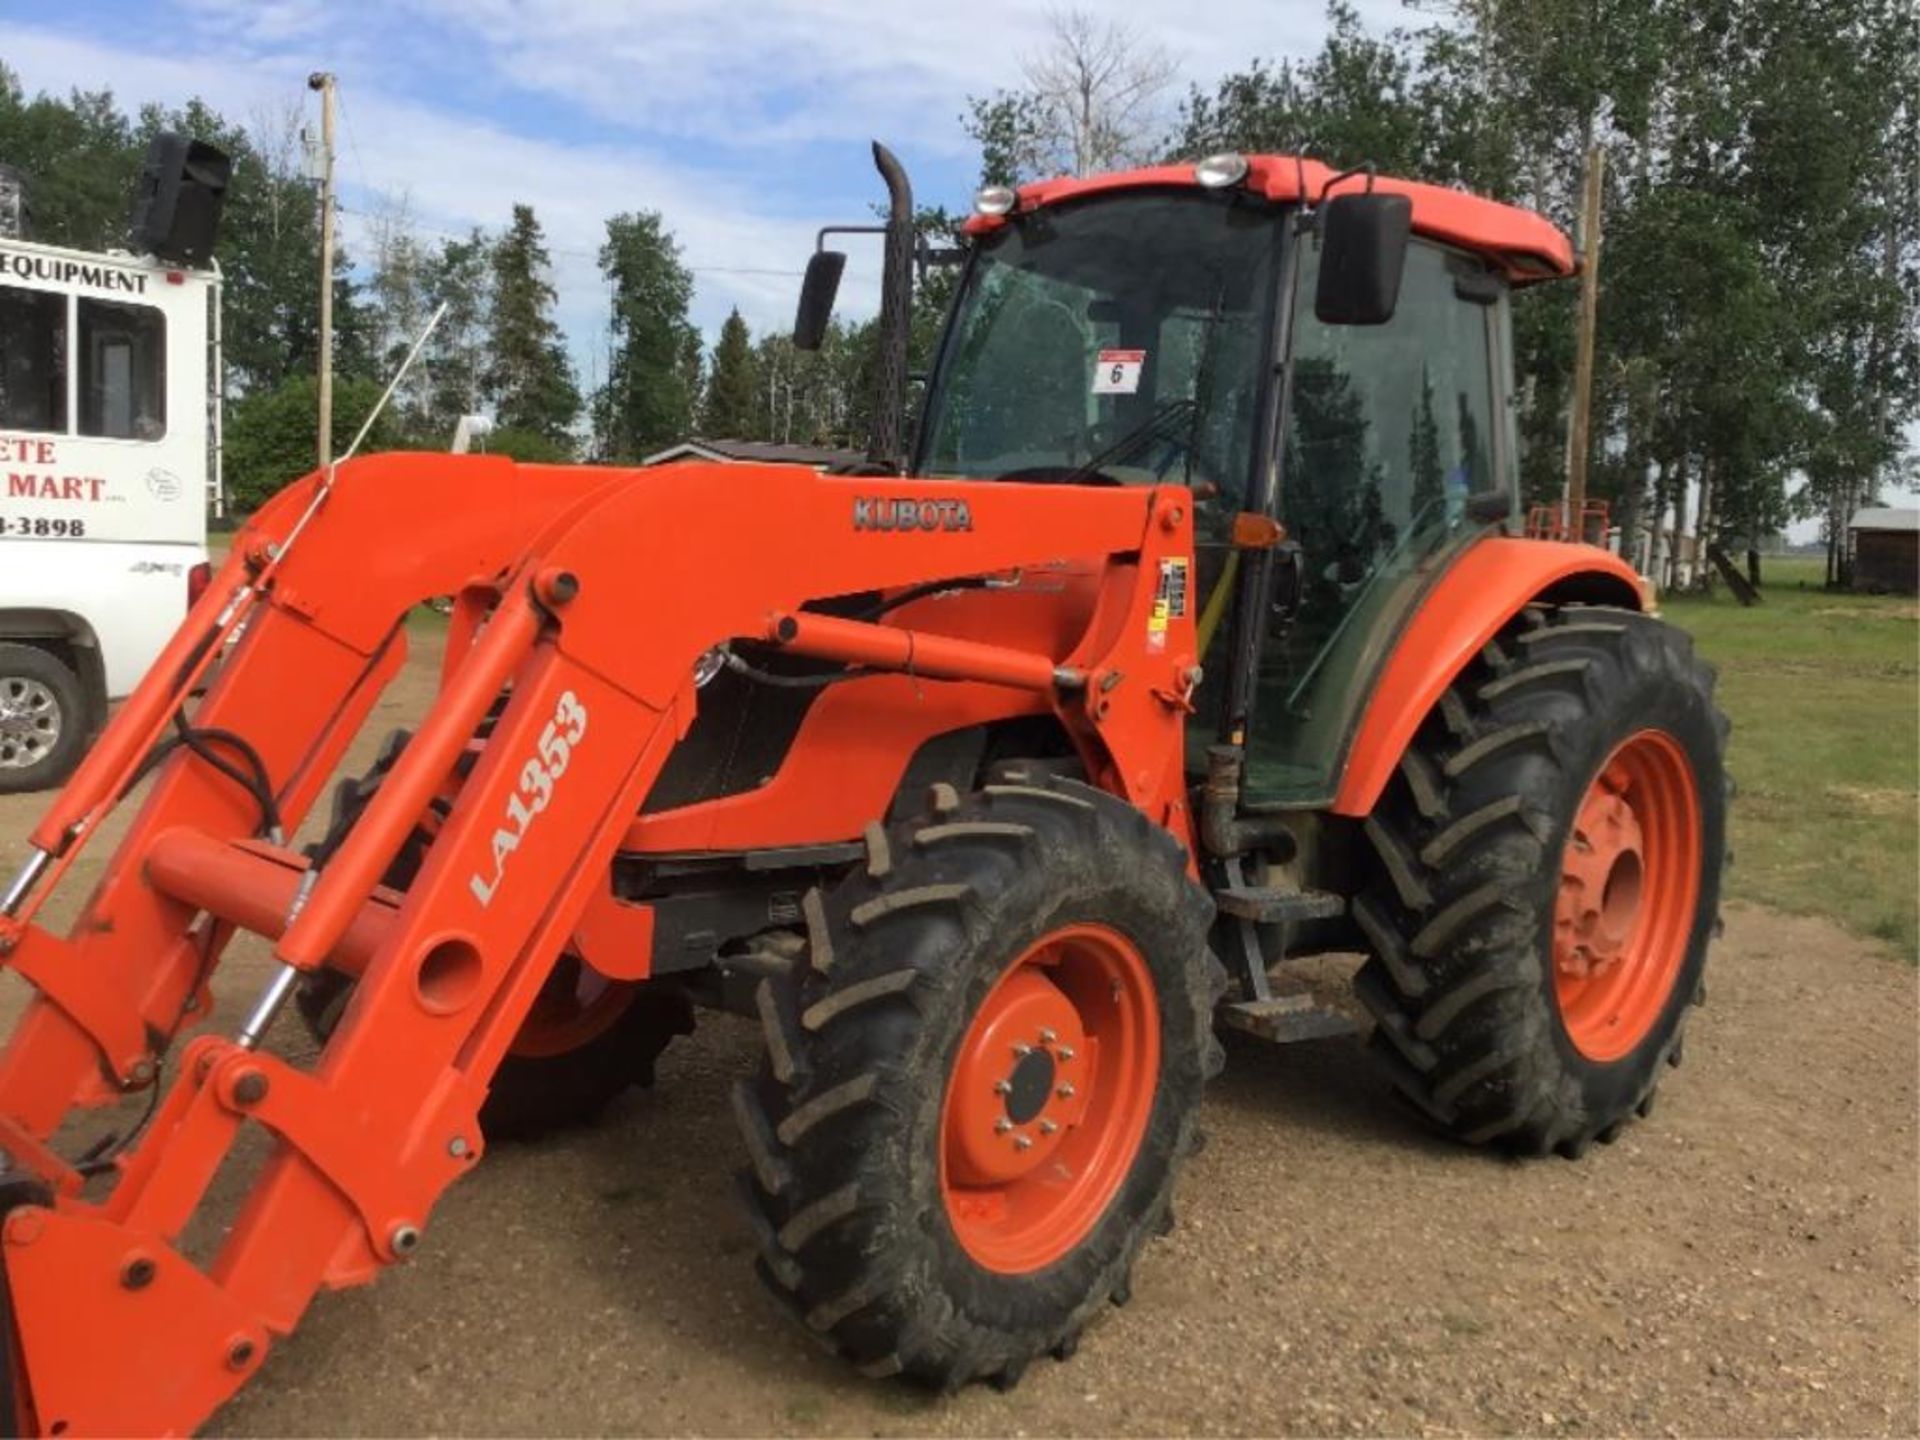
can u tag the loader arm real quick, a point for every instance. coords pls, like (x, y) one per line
(583, 596)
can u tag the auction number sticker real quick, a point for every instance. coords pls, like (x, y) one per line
(1117, 372)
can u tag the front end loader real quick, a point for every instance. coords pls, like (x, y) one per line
(1189, 635)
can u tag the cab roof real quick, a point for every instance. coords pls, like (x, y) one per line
(1523, 245)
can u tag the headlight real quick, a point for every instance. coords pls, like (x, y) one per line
(1217, 172)
(995, 200)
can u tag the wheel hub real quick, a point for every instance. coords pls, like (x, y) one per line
(1600, 881)
(30, 721)
(1629, 887)
(1049, 1097)
(1021, 1083)
(1030, 1086)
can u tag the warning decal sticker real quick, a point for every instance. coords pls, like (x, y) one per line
(1169, 602)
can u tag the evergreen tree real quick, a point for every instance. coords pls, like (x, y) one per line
(653, 373)
(733, 386)
(528, 378)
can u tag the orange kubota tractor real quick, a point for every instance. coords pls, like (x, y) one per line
(1191, 634)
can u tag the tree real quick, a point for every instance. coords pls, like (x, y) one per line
(1008, 127)
(79, 159)
(1351, 104)
(269, 437)
(528, 446)
(460, 277)
(733, 386)
(653, 372)
(1090, 102)
(528, 378)
(399, 306)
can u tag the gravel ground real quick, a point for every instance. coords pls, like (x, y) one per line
(1742, 1264)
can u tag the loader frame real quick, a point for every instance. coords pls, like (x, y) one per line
(593, 631)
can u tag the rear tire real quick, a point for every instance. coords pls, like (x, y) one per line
(1514, 1006)
(868, 1230)
(44, 720)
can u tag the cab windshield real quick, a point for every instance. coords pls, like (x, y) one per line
(1119, 338)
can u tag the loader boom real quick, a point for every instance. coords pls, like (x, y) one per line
(583, 596)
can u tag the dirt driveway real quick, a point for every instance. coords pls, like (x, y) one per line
(1743, 1264)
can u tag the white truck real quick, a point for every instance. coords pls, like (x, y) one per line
(109, 463)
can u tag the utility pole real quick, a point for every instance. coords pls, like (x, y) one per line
(1582, 418)
(322, 81)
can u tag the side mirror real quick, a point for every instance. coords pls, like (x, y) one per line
(1488, 507)
(1363, 252)
(817, 294)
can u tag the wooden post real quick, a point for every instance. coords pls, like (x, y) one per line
(1582, 418)
(323, 82)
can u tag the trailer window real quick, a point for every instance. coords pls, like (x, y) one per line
(123, 379)
(33, 359)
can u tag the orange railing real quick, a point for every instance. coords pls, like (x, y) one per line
(1552, 522)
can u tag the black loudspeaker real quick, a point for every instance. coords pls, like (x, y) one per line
(176, 209)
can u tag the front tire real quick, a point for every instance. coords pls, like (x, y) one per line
(981, 1075)
(43, 719)
(1548, 882)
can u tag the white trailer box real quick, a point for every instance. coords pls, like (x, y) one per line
(109, 434)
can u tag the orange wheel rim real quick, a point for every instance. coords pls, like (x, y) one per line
(1629, 885)
(576, 1006)
(1049, 1098)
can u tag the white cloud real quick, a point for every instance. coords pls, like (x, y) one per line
(436, 94)
(458, 172)
(788, 70)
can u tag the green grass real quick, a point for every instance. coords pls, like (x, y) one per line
(1824, 693)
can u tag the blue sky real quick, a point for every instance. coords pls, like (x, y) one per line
(745, 124)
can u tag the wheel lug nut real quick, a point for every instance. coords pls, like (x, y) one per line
(1023, 1050)
(1021, 1142)
(1047, 1127)
(1047, 1037)
(1003, 1087)
(1065, 1092)
(1002, 1125)
(1065, 1052)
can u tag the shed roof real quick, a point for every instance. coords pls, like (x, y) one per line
(1886, 517)
(764, 452)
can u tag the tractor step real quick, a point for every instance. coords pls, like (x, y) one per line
(1267, 906)
(1286, 1018)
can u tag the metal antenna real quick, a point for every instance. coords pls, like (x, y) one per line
(333, 466)
(393, 384)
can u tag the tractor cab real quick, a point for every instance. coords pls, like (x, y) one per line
(1329, 352)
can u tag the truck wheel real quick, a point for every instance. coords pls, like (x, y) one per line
(1549, 881)
(981, 1073)
(43, 719)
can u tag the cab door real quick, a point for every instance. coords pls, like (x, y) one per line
(1390, 429)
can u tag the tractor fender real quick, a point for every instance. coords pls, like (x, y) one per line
(1480, 592)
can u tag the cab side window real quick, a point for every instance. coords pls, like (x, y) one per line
(33, 360)
(1391, 429)
(123, 377)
